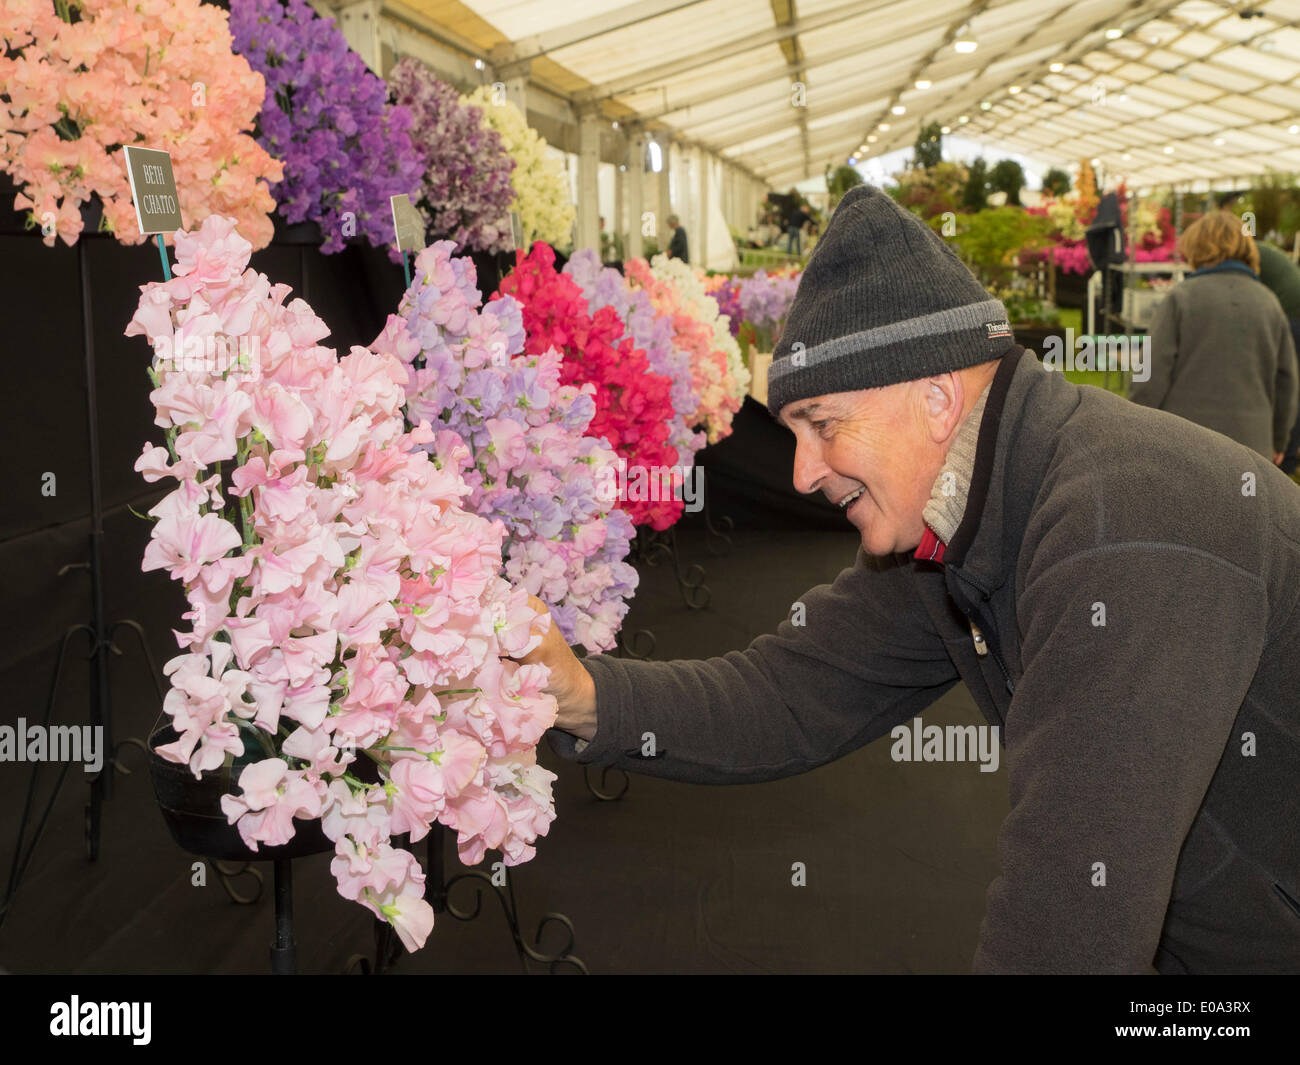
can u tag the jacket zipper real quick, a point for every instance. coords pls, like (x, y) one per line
(983, 646)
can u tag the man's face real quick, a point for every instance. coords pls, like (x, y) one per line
(886, 444)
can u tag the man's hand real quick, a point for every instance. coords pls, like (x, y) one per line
(572, 686)
(1277, 458)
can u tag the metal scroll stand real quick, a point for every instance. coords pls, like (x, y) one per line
(437, 892)
(651, 548)
(101, 638)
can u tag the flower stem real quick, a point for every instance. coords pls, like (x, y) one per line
(260, 736)
(245, 501)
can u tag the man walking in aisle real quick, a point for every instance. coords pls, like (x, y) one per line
(677, 245)
(1117, 587)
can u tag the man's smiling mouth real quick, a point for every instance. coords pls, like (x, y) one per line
(844, 503)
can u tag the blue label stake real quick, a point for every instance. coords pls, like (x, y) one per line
(406, 270)
(162, 254)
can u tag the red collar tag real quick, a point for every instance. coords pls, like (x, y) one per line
(931, 548)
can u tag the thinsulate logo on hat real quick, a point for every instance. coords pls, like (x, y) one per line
(998, 329)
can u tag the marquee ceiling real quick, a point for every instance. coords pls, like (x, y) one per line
(1161, 91)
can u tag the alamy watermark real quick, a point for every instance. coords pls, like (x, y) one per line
(218, 355)
(77, 1018)
(919, 742)
(651, 484)
(53, 743)
(1130, 354)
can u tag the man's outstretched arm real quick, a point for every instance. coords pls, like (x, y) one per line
(856, 658)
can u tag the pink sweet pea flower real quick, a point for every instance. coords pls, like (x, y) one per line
(408, 913)
(363, 816)
(184, 544)
(272, 795)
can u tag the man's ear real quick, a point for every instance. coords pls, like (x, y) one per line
(943, 398)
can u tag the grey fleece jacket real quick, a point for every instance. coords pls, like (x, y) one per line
(1222, 356)
(1163, 744)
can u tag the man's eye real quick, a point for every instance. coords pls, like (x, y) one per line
(820, 428)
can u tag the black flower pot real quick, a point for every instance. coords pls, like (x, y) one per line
(192, 810)
(295, 233)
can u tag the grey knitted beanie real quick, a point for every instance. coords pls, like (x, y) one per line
(883, 300)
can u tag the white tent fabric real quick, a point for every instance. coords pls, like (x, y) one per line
(1161, 91)
(720, 251)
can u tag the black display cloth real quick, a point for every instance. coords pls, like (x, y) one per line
(749, 477)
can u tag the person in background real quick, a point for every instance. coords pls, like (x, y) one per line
(799, 218)
(677, 245)
(1281, 276)
(1222, 355)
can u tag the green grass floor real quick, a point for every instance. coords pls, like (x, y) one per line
(1115, 381)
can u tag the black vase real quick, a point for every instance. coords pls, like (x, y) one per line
(295, 233)
(192, 810)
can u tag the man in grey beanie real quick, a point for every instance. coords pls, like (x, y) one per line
(1116, 586)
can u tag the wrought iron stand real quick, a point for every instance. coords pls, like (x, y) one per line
(437, 892)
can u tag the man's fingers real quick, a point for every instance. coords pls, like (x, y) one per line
(541, 626)
(543, 614)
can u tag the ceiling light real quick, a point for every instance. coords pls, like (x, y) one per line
(1123, 97)
(965, 42)
(1127, 157)
(1293, 129)
(945, 129)
(899, 109)
(871, 138)
(614, 124)
(922, 83)
(478, 64)
(1056, 68)
(1013, 89)
(964, 119)
(1169, 149)
(1218, 142)
(986, 106)
(1113, 34)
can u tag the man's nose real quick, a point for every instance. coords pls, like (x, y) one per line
(809, 468)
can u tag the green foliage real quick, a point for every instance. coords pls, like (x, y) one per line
(928, 150)
(975, 194)
(840, 180)
(991, 239)
(932, 192)
(1008, 176)
(1056, 182)
(611, 247)
(1273, 197)
(1024, 308)
(1289, 222)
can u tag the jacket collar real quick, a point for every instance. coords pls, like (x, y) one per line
(1233, 265)
(1011, 459)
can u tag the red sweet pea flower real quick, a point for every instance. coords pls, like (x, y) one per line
(633, 405)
